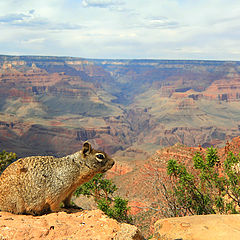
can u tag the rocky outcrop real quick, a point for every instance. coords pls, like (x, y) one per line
(119, 169)
(222, 90)
(83, 225)
(204, 227)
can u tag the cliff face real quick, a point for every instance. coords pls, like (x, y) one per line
(116, 104)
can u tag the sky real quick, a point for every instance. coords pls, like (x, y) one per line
(122, 29)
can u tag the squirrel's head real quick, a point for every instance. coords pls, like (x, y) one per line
(96, 159)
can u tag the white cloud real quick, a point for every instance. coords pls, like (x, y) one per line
(33, 41)
(101, 3)
(163, 22)
(11, 18)
(29, 20)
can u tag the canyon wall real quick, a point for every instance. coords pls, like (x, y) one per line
(50, 105)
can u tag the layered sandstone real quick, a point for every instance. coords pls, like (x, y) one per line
(139, 102)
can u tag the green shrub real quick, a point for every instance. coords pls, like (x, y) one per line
(102, 190)
(207, 189)
(6, 159)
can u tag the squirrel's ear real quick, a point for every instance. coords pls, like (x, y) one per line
(87, 148)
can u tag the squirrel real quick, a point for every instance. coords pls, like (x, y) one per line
(39, 184)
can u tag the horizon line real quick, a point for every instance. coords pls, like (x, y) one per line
(114, 59)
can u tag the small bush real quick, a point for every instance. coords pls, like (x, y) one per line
(208, 188)
(6, 159)
(102, 190)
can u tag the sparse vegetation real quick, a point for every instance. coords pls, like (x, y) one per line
(208, 188)
(6, 158)
(102, 190)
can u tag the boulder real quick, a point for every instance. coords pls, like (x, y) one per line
(199, 227)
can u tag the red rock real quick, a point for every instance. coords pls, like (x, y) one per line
(83, 225)
(119, 169)
(137, 207)
(214, 227)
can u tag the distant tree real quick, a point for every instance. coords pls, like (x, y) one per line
(6, 159)
(102, 190)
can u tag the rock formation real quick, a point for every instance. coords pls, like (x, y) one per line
(84, 225)
(203, 227)
(127, 103)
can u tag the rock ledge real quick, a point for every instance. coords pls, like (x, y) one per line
(201, 227)
(84, 225)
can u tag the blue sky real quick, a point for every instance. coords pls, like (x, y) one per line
(158, 29)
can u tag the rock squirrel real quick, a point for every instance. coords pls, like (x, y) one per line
(38, 184)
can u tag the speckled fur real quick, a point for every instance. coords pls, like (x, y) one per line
(35, 185)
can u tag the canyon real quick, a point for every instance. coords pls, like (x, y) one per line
(131, 108)
(142, 112)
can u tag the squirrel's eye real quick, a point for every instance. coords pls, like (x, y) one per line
(100, 156)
